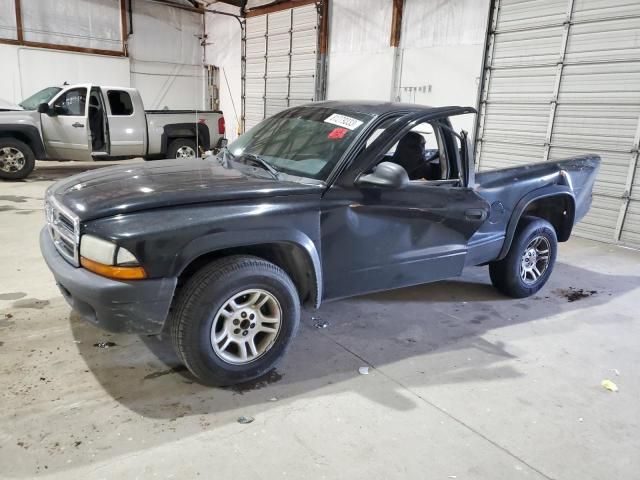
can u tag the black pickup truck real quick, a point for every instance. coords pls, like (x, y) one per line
(316, 203)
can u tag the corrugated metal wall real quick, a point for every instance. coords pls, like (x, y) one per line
(562, 78)
(281, 60)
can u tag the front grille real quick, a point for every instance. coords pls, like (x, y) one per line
(64, 229)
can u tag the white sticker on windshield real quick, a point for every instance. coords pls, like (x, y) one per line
(343, 121)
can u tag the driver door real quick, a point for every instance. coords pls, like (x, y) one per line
(65, 128)
(379, 238)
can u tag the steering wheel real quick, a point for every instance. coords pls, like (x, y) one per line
(430, 157)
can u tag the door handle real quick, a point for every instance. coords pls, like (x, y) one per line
(475, 214)
(77, 125)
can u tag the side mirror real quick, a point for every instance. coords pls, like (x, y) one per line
(385, 175)
(44, 108)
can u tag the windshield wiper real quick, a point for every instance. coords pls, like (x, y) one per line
(257, 159)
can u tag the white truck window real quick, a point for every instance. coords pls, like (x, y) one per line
(120, 102)
(426, 131)
(71, 103)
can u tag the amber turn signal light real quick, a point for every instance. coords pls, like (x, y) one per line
(113, 271)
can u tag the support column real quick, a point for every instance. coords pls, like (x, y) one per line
(394, 42)
(558, 81)
(486, 79)
(631, 172)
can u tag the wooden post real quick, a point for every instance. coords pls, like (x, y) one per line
(396, 22)
(123, 25)
(19, 21)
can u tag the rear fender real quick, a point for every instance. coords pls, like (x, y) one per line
(185, 130)
(526, 201)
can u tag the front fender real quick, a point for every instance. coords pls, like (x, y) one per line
(217, 241)
(28, 133)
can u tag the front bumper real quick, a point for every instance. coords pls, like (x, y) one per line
(140, 306)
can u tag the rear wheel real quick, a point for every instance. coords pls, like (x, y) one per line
(234, 320)
(530, 260)
(16, 159)
(182, 148)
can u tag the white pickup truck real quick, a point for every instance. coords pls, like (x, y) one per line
(89, 122)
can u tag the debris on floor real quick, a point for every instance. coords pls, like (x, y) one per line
(245, 420)
(363, 370)
(616, 371)
(609, 385)
(104, 344)
(574, 294)
(319, 323)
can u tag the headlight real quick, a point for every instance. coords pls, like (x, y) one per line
(109, 260)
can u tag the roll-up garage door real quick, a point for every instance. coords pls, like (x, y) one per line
(562, 78)
(281, 61)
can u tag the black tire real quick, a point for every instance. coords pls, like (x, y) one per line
(13, 173)
(178, 143)
(205, 293)
(506, 273)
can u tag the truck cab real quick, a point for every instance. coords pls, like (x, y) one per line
(84, 121)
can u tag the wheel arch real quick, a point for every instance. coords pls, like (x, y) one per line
(27, 134)
(184, 130)
(556, 204)
(295, 253)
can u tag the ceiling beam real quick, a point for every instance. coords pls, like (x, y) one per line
(180, 6)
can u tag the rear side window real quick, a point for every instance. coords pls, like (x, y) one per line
(120, 102)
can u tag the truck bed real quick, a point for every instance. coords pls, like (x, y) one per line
(507, 191)
(166, 124)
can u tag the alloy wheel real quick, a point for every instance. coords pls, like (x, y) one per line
(535, 260)
(246, 326)
(185, 152)
(11, 159)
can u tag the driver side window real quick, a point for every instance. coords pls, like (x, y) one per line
(419, 153)
(71, 103)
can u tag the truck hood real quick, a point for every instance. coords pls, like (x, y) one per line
(5, 105)
(164, 183)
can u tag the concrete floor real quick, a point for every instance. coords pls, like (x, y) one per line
(463, 383)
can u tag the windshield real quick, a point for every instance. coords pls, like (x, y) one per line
(43, 96)
(304, 141)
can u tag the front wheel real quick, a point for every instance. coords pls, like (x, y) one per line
(234, 320)
(530, 260)
(16, 159)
